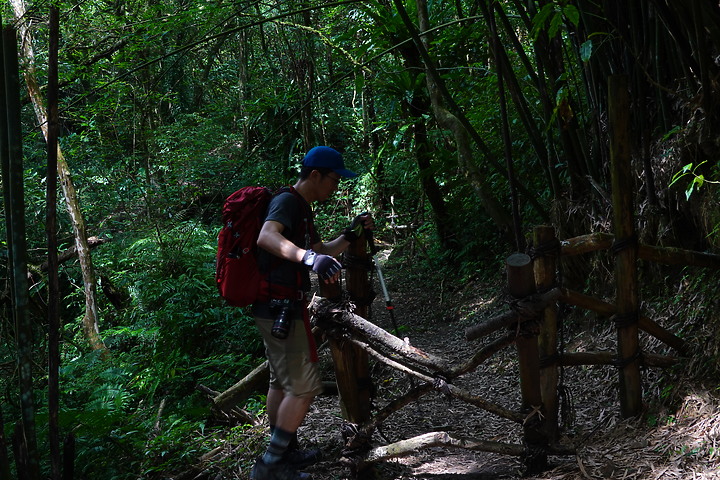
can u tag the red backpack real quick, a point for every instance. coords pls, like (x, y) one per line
(236, 271)
(237, 275)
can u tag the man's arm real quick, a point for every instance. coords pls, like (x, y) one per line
(272, 240)
(337, 246)
(332, 248)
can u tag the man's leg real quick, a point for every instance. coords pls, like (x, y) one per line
(290, 415)
(274, 398)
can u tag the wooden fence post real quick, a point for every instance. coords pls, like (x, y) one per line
(351, 363)
(521, 283)
(547, 249)
(625, 247)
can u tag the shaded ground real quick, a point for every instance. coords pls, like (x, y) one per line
(679, 443)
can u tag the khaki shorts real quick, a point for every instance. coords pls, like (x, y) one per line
(290, 367)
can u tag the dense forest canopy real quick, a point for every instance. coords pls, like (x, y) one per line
(469, 122)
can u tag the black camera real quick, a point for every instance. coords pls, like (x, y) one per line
(282, 308)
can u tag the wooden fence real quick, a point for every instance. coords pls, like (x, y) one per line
(531, 324)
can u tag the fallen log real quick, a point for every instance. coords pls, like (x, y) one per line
(234, 415)
(329, 317)
(436, 439)
(255, 381)
(395, 364)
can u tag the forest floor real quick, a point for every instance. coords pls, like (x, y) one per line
(678, 442)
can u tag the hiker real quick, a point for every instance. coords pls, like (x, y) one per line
(289, 249)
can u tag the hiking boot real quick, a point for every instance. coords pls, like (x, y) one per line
(299, 458)
(276, 471)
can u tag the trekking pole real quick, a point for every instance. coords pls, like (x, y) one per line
(388, 302)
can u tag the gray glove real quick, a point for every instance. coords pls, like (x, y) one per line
(324, 265)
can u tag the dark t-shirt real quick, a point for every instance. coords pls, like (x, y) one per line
(295, 215)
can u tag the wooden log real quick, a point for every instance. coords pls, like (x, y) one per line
(255, 381)
(343, 363)
(366, 429)
(489, 326)
(329, 317)
(528, 308)
(626, 257)
(678, 256)
(665, 255)
(234, 415)
(439, 383)
(520, 280)
(544, 268)
(355, 395)
(438, 439)
(483, 354)
(586, 243)
(521, 283)
(609, 358)
(646, 324)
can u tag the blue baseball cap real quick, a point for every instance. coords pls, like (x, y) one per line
(326, 157)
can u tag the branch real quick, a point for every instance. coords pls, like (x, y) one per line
(437, 439)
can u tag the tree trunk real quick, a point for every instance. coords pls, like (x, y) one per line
(14, 197)
(54, 324)
(447, 120)
(90, 319)
(418, 109)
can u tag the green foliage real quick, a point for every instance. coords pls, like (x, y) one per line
(697, 180)
(552, 17)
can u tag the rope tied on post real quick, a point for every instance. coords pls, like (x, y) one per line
(621, 244)
(547, 249)
(624, 320)
(355, 261)
(621, 363)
